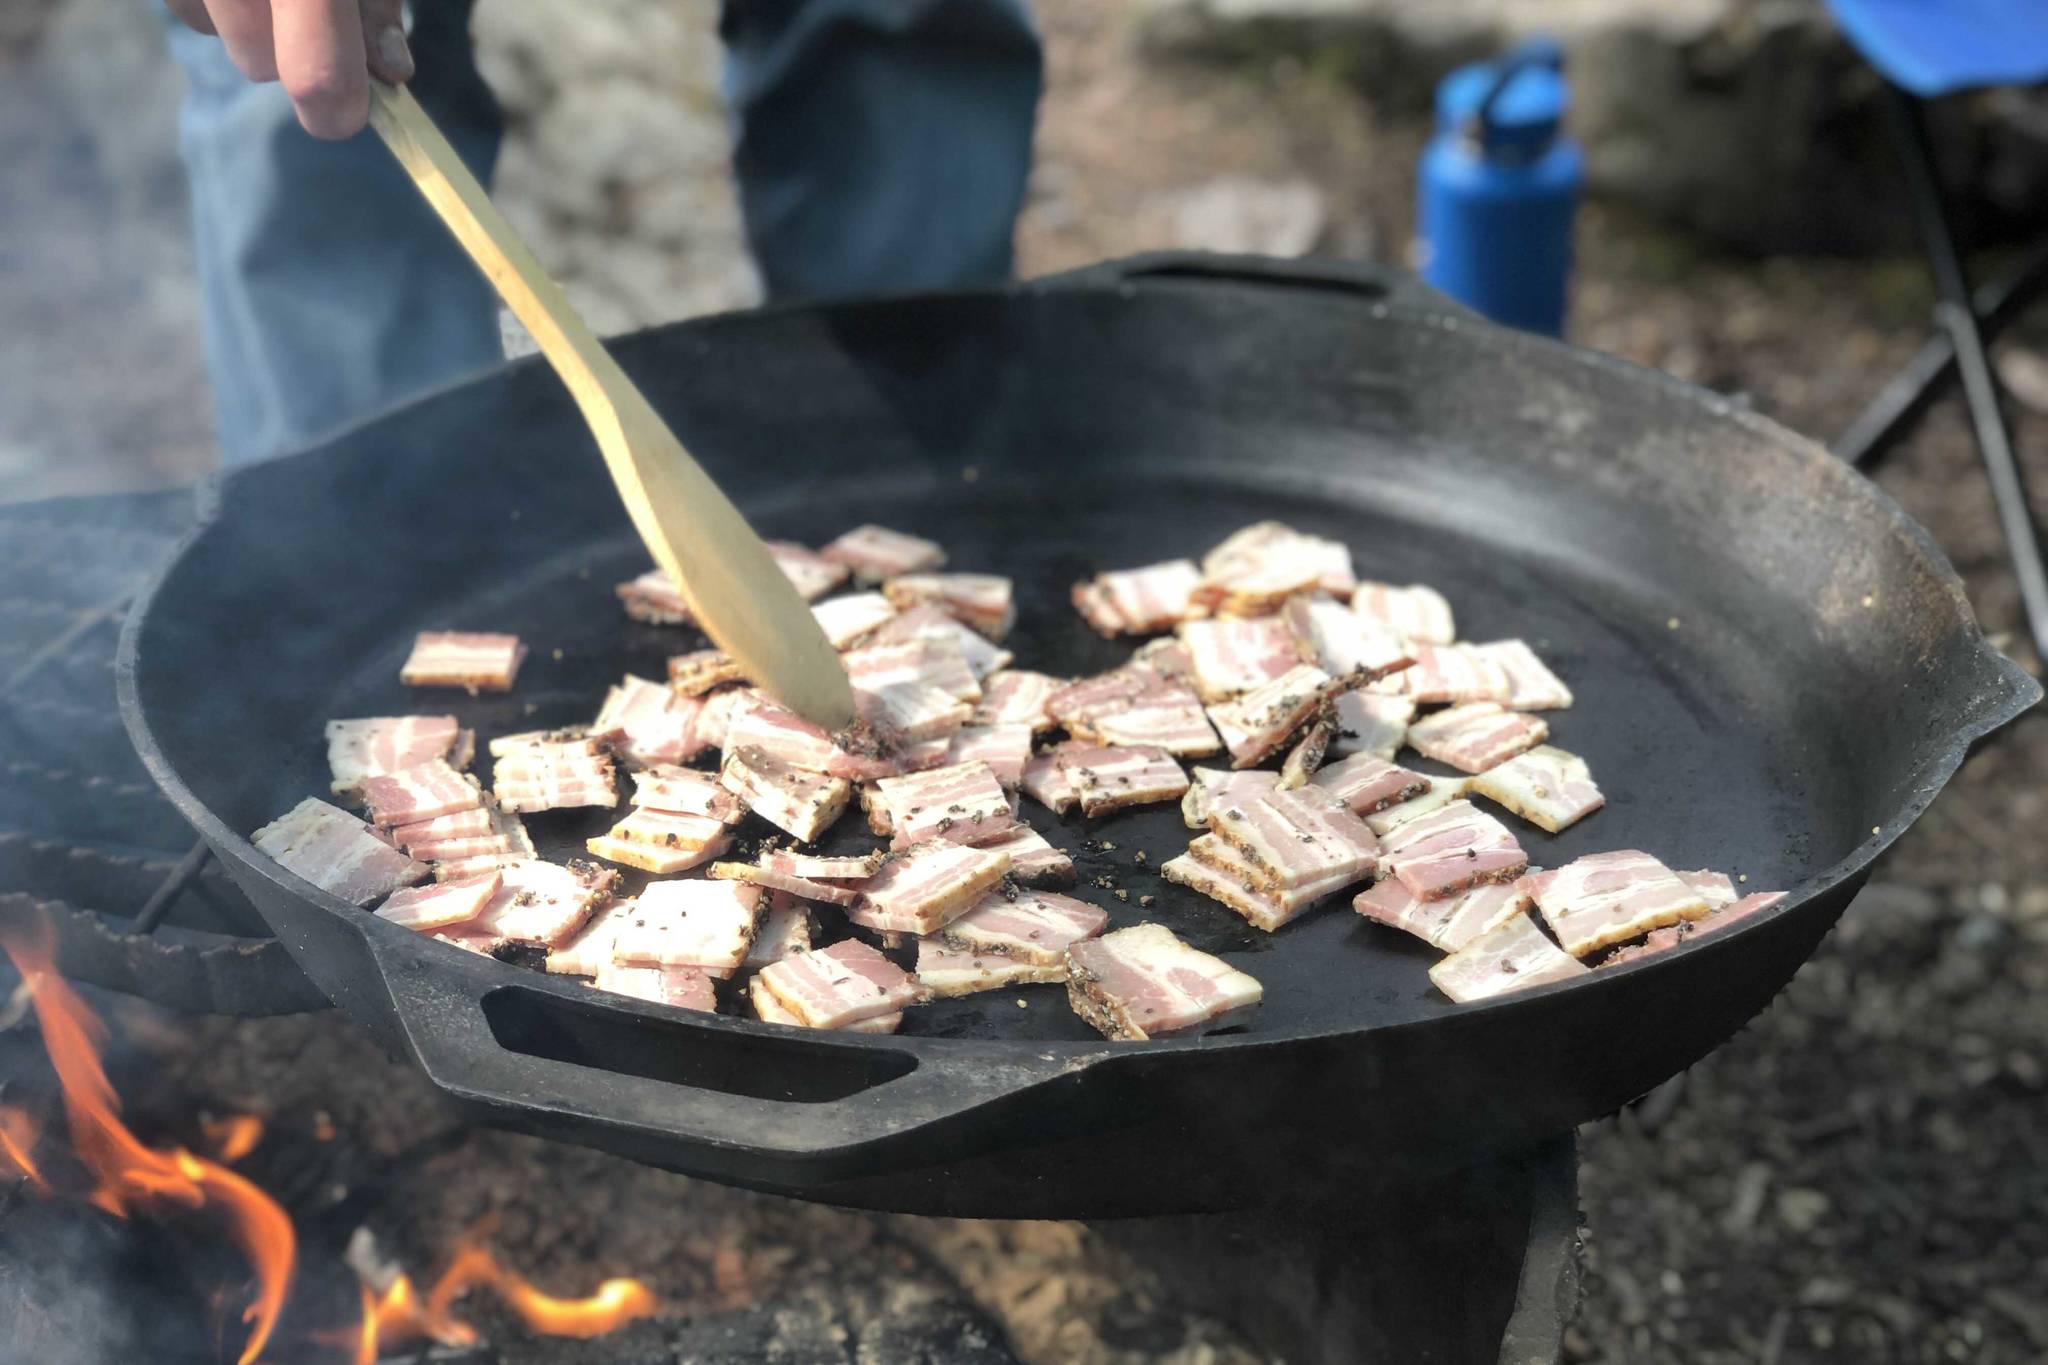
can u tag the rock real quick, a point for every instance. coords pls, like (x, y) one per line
(1749, 120)
(1245, 215)
(621, 131)
(1801, 1210)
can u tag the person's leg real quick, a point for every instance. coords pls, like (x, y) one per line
(329, 289)
(880, 144)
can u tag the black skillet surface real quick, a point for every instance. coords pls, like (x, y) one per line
(1775, 672)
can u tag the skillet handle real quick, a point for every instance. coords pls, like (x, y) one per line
(749, 1103)
(1368, 281)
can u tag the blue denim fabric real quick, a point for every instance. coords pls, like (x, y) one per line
(878, 144)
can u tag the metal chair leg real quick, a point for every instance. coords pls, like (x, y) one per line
(1954, 315)
(1926, 375)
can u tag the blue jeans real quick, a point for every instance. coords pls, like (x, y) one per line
(878, 144)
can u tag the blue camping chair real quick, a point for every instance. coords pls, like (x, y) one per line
(1925, 49)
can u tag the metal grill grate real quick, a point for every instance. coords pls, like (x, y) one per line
(85, 837)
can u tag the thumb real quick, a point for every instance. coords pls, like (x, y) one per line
(384, 41)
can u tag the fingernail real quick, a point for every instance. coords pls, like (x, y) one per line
(393, 52)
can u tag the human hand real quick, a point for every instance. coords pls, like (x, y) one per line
(322, 51)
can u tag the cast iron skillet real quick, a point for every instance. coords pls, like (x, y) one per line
(1776, 671)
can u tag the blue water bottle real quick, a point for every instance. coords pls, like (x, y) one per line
(1500, 186)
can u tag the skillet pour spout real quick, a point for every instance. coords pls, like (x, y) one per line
(1775, 672)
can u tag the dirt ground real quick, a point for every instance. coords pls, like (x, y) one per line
(1858, 1177)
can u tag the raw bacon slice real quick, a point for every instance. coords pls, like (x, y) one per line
(947, 971)
(1138, 601)
(441, 904)
(769, 1010)
(1016, 696)
(1079, 702)
(465, 659)
(1416, 612)
(1046, 784)
(543, 904)
(707, 925)
(1299, 837)
(1476, 736)
(1369, 723)
(785, 930)
(1033, 861)
(337, 852)
(1455, 674)
(929, 663)
(419, 793)
(1263, 719)
(823, 867)
(507, 842)
(963, 802)
(1231, 656)
(1213, 789)
(1548, 787)
(758, 723)
(1342, 643)
(845, 984)
(1442, 791)
(716, 714)
(1143, 982)
(1032, 926)
(682, 987)
(810, 573)
(846, 619)
(662, 842)
(653, 598)
(933, 624)
(1308, 752)
(545, 777)
(573, 741)
(910, 711)
(1109, 778)
(1715, 888)
(686, 791)
(1004, 748)
(1657, 940)
(1531, 684)
(473, 823)
(1450, 923)
(357, 749)
(1212, 868)
(801, 887)
(1606, 898)
(703, 670)
(1368, 783)
(649, 723)
(1168, 658)
(1453, 849)
(927, 886)
(1168, 717)
(589, 950)
(1259, 567)
(875, 553)
(795, 800)
(985, 601)
(1509, 957)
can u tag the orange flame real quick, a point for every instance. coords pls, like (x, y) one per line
(233, 1137)
(131, 1175)
(18, 1133)
(398, 1314)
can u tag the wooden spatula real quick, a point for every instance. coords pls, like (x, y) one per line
(698, 537)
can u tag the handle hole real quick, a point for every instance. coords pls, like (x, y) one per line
(595, 1035)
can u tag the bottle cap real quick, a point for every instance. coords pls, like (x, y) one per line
(1511, 107)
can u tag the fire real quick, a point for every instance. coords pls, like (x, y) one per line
(18, 1133)
(233, 1137)
(130, 1176)
(399, 1314)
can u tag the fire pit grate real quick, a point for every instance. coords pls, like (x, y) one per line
(86, 839)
